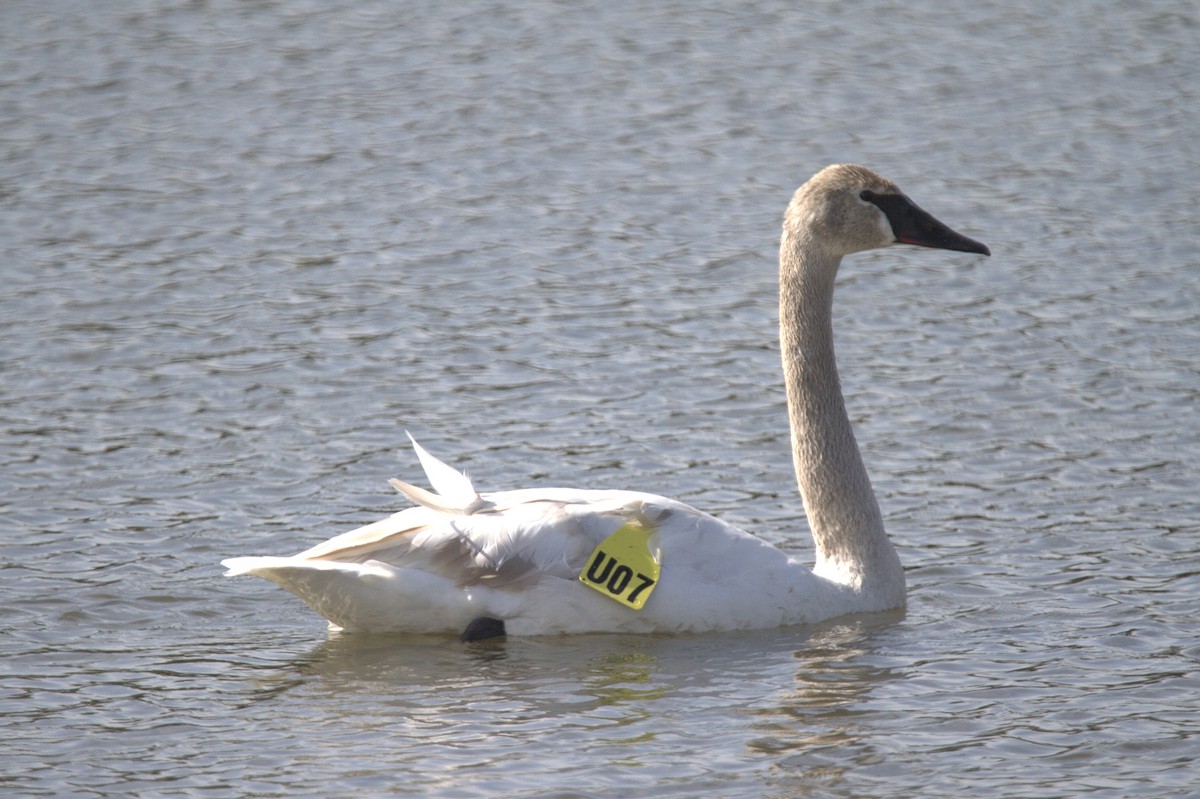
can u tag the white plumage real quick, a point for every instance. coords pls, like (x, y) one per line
(516, 557)
(435, 569)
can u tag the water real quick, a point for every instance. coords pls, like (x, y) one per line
(245, 246)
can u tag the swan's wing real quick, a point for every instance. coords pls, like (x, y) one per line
(454, 557)
(432, 571)
(501, 538)
(523, 536)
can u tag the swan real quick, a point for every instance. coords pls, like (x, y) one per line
(558, 560)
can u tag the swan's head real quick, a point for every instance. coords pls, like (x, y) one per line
(847, 208)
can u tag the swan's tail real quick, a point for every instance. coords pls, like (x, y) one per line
(367, 597)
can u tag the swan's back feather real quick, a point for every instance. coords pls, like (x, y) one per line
(454, 491)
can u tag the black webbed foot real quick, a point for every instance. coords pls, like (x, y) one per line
(483, 628)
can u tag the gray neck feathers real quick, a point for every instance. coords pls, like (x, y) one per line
(842, 511)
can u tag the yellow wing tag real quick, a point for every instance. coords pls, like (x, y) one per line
(623, 567)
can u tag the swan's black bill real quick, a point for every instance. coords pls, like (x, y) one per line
(914, 225)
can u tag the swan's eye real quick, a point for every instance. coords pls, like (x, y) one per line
(866, 195)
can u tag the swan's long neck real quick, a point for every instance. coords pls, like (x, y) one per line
(851, 545)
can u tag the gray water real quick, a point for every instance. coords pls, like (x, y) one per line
(245, 246)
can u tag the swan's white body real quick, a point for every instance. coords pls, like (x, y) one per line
(519, 559)
(516, 556)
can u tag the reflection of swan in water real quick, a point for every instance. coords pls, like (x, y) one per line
(790, 708)
(527, 561)
(821, 707)
(766, 678)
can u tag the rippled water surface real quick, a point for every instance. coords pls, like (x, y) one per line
(246, 245)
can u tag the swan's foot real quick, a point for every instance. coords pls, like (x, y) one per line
(483, 628)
